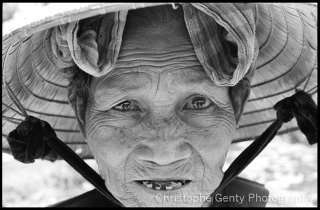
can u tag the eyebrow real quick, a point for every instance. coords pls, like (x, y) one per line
(197, 81)
(205, 86)
(115, 86)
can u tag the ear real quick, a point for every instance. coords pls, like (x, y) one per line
(79, 107)
(239, 95)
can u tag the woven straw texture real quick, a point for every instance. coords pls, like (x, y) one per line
(287, 38)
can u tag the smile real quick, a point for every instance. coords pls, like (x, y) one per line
(164, 185)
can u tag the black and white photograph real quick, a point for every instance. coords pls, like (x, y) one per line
(159, 104)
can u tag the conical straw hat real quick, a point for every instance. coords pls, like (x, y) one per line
(287, 60)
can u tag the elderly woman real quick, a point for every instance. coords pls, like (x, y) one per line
(158, 95)
(157, 121)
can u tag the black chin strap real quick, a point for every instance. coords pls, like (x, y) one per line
(302, 107)
(34, 138)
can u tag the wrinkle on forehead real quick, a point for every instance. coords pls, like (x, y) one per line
(159, 86)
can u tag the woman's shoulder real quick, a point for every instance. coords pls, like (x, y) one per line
(246, 193)
(284, 198)
(242, 192)
(91, 198)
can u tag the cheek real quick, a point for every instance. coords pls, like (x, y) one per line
(111, 144)
(212, 130)
(112, 138)
(212, 143)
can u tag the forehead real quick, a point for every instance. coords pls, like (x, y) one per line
(136, 79)
(146, 57)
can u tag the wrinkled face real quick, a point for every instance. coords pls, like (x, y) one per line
(158, 121)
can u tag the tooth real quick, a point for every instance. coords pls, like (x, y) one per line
(179, 184)
(183, 181)
(158, 186)
(173, 184)
(149, 185)
(145, 182)
(168, 187)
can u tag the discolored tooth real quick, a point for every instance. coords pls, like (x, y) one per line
(158, 186)
(168, 187)
(149, 185)
(179, 184)
(145, 182)
(183, 181)
(173, 184)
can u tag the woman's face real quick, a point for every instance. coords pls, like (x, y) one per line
(158, 122)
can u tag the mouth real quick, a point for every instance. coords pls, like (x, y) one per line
(164, 185)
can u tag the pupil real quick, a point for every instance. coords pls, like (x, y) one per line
(126, 105)
(198, 102)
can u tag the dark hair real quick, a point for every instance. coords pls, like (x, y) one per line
(79, 85)
(152, 18)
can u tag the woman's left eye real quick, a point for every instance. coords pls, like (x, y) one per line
(126, 106)
(198, 102)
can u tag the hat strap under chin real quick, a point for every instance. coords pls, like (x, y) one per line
(302, 107)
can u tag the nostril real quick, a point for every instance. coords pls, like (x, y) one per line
(163, 152)
(163, 163)
(151, 162)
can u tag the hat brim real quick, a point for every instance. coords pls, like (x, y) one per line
(287, 37)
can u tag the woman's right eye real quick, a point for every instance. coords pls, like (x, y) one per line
(198, 103)
(126, 106)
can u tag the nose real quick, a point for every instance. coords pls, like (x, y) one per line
(165, 143)
(161, 154)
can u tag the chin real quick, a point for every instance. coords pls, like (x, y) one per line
(164, 201)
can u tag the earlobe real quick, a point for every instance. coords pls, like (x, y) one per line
(239, 95)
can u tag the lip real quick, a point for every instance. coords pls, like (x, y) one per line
(164, 179)
(153, 191)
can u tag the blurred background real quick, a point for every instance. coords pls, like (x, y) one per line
(287, 163)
